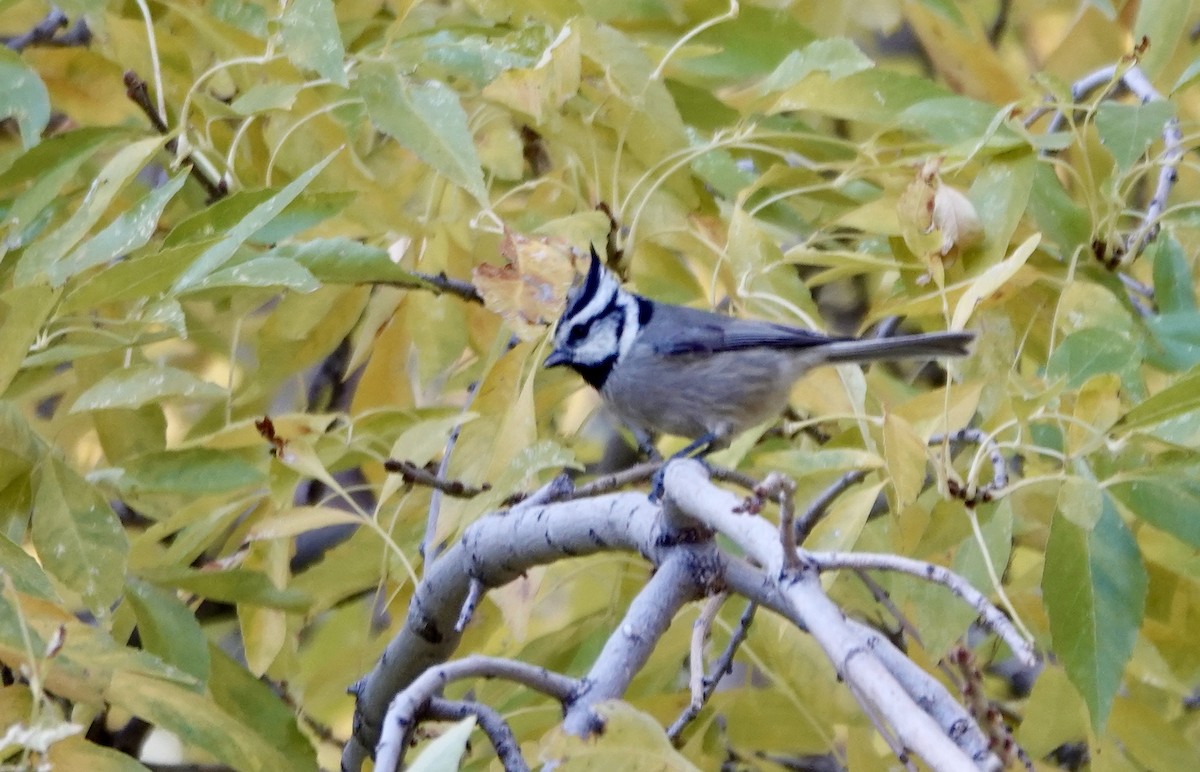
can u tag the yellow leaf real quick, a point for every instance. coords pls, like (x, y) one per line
(300, 520)
(904, 453)
(991, 280)
(632, 740)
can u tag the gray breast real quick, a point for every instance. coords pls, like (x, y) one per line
(690, 395)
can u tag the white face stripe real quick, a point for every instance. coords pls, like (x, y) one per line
(627, 304)
(607, 289)
(607, 310)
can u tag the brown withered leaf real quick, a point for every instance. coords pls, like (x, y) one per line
(530, 288)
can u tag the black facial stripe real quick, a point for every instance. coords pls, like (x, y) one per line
(598, 373)
(645, 310)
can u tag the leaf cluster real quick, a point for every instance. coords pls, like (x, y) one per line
(166, 556)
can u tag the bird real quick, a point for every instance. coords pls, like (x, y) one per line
(669, 369)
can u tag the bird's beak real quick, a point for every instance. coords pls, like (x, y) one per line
(555, 359)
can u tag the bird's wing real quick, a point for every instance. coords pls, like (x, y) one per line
(709, 337)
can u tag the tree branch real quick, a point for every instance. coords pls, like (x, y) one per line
(138, 93)
(499, 733)
(404, 710)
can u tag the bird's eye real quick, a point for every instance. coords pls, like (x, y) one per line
(576, 334)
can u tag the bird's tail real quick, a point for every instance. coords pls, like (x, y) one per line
(925, 346)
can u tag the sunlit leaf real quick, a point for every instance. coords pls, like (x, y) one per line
(23, 311)
(311, 38)
(258, 217)
(194, 471)
(130, 230)
(196, 720)
(1180, 397)
(231, 586)
(444, 754)
(265, 271)
(342, 261)
(77, 535)
(27, 575)
(132, 387)
(427, 119)
(117, 173)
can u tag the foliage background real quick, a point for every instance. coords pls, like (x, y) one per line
(144, 329)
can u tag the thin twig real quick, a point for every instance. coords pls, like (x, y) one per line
(474, 595)
(421, 476)
(721, 667)
(819, 506)
(783, 488)
(498, 732)
(42, 32)
(1137, 82)
(440, 283)
(405, 708)
(999, 481)
(882, 597)
(991, 616)
(139, 94)
(701, 630)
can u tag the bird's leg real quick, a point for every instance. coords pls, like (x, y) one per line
(697, 449)
(645, 443)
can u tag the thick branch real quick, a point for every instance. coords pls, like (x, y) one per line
(676, 582)
(494, 550)
(873, 685)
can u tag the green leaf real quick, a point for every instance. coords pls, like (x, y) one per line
(1127, 130)
(78, 537)
(132, 387)
(427, 119)
(1090, 352)
(195, 471)
(23, 97)
(77, 753)
(23, 312)
(167, 628)
(1188, 77)
(1169, 500)
(235, 585)
(837, 57)
(1063, 221)
(1175, 340)
(261, 272)
(196, 721)
(27, 576)
(220, 252)
(444, 754)
(129, 231)
(262, 97)
(145, 276)
(344, 261)
(1094, 585)
(312, 40)
(48, 167)
(1173, 290)
(111, 180)
(1181, 397)
(259, 708)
